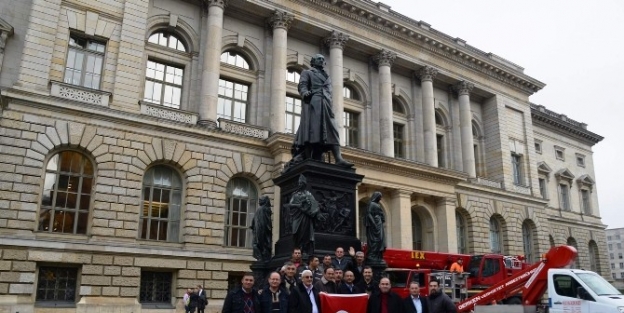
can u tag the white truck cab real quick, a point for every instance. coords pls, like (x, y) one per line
(580, 291)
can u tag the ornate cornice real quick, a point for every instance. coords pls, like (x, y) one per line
(385, 57)
(463, 88)
(426, 73)
(336, 40)
(559, 122)
(280, 19)
(379, 17)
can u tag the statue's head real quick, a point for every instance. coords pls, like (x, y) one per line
(265, 201)
(302, 181)
(376, 196)
(317, 61)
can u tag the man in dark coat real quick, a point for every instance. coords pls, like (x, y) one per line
(274, 298)
(367, 284)
(414, 303)
(305, 298)
(439, 302)
(385, 300)
(348, 287)
(246, 297)
(317, 131)
(202, 299)
(326, 283)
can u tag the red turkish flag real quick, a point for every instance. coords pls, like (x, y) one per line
(335, 303)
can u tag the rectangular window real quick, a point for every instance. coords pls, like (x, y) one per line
(538, 147)
(399, 148)
(622, 275)
(585, 201)
(613, 274)
(232, 103)
(57, 285)
(621, 265)
(293, 114)
(516, 165)
(85, 59)
(350, 132)
(610, 247)
(564, 194)
(542, 187)
(560, 153)
(163, 84)
(612, 266)
(440, 146)
(580, 160)
(155, 288)
(609, 238)
(620, 255)
(617, 237)
(619, 245)
(611, 256)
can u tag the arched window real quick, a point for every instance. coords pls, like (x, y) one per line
(349, 92)
(572, 242)
(167, 40)
(417, 232)
(362, 211)
(162, 201)
(460, 222)
(527, 240)
(594, 257)
(235, 59)
(397, 107)
(441, 139)
(67, 191)
(292, 75)
(398, 128)
(439, 120)
(241, 203)
(496, 242)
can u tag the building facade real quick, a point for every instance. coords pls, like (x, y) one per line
(136, 137)
(616, 260)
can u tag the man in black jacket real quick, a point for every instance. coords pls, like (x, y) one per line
(367, 284)
(203, 300)
(274, 298)
(414, 303)
(439, 302)
(348, 287)
(385, 300)
(243, 300)
(305, 298)
(326, 283)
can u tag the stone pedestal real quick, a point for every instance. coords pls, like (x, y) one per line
(334, 188)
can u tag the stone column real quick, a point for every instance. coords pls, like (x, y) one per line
(463, 89)
(384, 61)
(336, 42)
(212, 63)
(426, 75)
(280, 22)
(401, 220)
(447, 226)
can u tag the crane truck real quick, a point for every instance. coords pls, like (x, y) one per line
(483, 271)
(569, 290)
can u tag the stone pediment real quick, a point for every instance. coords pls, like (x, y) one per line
(6, 27)
(565, 174)
(585, 180)
(542, 167)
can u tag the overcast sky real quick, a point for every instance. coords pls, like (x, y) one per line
(574, 46)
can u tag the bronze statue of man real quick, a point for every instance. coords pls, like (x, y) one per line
(304, 210)
(317, 131)
(262, 230)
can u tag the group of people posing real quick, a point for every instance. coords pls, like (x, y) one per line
(295, 288)
(195, 300)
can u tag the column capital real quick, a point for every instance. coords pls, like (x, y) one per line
(280, 19)
(385, 57)
(427, 73)
(463, 87)
(336, 40)
(219, 3)
(399, 193)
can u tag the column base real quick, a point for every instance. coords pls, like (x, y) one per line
(210, 124)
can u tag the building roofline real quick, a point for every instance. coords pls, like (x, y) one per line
(545, 117)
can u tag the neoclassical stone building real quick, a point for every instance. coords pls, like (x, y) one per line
(136, 137)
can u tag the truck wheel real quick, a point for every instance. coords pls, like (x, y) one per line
(514, 300)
